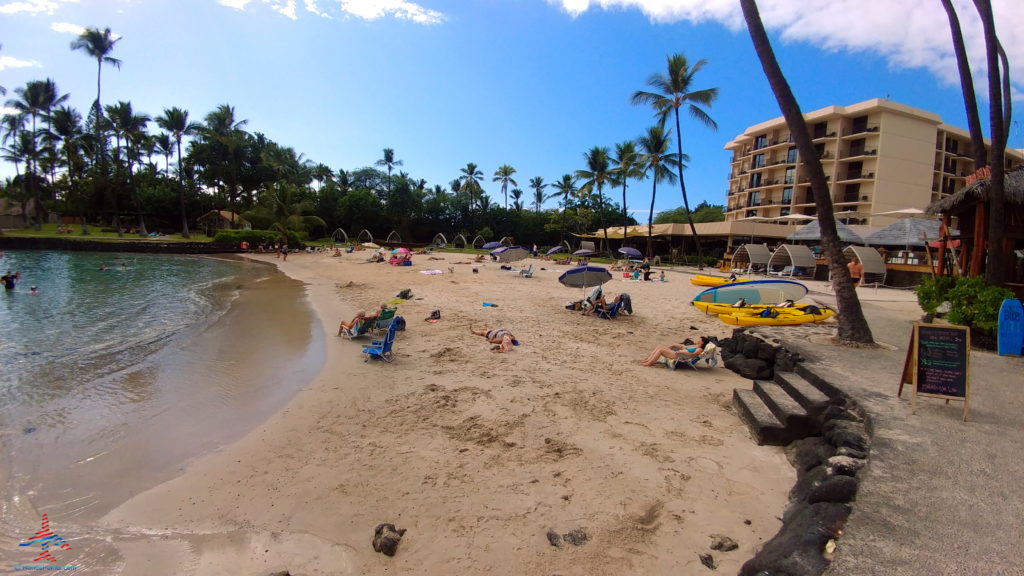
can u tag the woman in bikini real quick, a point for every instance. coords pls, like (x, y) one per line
(676, 351)
(503, 340)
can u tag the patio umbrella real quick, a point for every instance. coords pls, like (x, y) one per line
(401, 251)
(906, 232)
(370, 245)
(811, 231)
(510, 253)
(583, 252)
(585, 277)
(630, 252)
(556, 250)
(491, 245)
(794, 218)
(903, 212)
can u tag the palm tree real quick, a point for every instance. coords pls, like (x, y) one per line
(537, 185)
(36, 99)
(597, 174)
(224, 132)
(674, 91)
(470, 182)
(656, 161)
(389, 161)
(322, 173)
(126, 124)
(66, 127)
(2, 89)
(967, 86)
(565, 188)
(853, 327)
(626, 167)
(280, 204)
(175, 120)
(504, 175)
(163, 143)
(517, 199)
(98, 45)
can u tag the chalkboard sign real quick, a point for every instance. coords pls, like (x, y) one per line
(938, 363)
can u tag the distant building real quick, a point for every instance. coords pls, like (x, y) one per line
(222, 219)
(878, 156)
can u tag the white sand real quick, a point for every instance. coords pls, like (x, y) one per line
(477, 454)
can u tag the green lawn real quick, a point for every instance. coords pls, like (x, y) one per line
(100, 235)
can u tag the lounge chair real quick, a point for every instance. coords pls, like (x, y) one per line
(381, 349)
(787, 271)
(527, 272)
(611, 311)
(709, 356)
(383, 322)
(361, 328)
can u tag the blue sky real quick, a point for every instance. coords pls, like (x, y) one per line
(530, 83)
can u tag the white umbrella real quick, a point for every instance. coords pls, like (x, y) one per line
(903, 212)
(794, 218)
(510, 254)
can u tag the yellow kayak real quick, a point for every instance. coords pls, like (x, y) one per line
(783, 319)
(724, 308)
(701, 280)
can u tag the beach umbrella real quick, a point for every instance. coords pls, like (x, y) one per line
(903, 213)
(510, 253)
(794, 218)
(370, 245)
(585, 277)
(401, 251)
(583, 252)
(811, 231)
(491, 245)
(556, 250)
(633, 252)
(906, 232)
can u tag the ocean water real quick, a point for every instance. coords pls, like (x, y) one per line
(113, 380)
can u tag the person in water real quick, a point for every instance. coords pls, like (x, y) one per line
(9, 280)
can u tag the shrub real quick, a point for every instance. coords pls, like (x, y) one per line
(976, 304)
(254, 237)
(932, 292)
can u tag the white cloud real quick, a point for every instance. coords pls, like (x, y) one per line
(67, 27)
(33, 6)
(311, 7)
(12, 62)
(236, 4)
(908, 33)
(374, 9)
(286, 8)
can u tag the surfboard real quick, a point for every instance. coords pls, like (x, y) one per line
(1011, 328)
(754, 292)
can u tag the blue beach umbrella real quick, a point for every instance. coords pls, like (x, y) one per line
(628, 251)
(584, 252)
(510, 253)
(491, 245)
(585, 277)
(556, 250)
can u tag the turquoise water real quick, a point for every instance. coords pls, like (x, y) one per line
(111, 381)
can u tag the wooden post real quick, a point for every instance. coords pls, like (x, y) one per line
(978, 254)
(943, 235)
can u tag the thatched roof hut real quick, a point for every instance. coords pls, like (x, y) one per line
(978, 191)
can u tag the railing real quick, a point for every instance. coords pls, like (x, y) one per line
(870, 128)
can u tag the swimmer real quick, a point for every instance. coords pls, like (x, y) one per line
(33, 290)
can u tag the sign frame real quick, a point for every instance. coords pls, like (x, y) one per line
(912, 365)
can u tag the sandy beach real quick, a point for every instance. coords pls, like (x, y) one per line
(477, 454)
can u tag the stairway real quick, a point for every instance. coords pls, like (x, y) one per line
(787, 408)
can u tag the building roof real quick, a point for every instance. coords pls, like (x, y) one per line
(978, 191)
(226, 215)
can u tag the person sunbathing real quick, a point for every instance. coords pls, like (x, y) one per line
(360, 319)
(479, 258)
(502, 340)
(677, 351)
(601, 304)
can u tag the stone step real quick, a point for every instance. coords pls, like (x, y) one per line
(807, 394)
(763, 425)
(787, 410)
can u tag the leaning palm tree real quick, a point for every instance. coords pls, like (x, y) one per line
(565, 187)
(504, 175)
(674, 91)
(537, 185)
(597, 174)
(626, 167)
(389, 161)
(853, 327)
(98, 45)
(657, 162)
(175, 120)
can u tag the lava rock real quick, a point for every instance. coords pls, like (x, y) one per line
(843, 433)
(708, 560)
(808, 452)
(838, 489)
(386, 538)
(554, 539)
(798, 547)
(844, 451)
(577, 537)
(723, 543)
(844, 465)
(765, 351)
(839, 413)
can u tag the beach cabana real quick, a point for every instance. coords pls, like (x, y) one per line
(364, 236)
(874, 266)
(812, 231)
(906, 232)
(751, 255)
(339, 236)
(439, 240)
(792, 260)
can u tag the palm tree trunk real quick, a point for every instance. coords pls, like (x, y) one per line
(650, 216)
(686, 201)
(853, 327)
(967, 87)
(181, 195)
(600, 204)
(994, 268)
(625, 214)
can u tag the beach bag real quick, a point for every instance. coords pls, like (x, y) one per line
(627, 303)
(399, 324)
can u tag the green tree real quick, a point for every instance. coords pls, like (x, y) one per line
(225, 138)
(656, 162)
(597, 174)
(389, 161)
(33, 101)
(626, 167)
(517, 199)
(504, 175)
(537, 185)
(470, 182)
(66, 127)
(130, 127)
(175, 120)
(674, 91)
(565, 187)
(99, 45)
(280, 203)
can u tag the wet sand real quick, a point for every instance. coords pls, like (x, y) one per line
(479, 455)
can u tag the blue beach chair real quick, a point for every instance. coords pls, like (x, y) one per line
(381, 349)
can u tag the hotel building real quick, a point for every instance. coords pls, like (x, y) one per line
(878, 156)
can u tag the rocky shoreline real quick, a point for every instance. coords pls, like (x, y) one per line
(79, 244)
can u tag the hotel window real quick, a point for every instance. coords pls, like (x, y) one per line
(787, 195)
(820, 129)
(860, 124)
(755, 180)
(760, 142)
(759, 161)
(791, 156)
(755, 199)
(784, 212)
(857, 147)
(790, 176)
(751, 213)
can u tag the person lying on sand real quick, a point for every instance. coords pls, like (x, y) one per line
(677, 351)
(503, 340)
(360, 318)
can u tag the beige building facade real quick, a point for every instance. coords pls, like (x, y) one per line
(878, 156)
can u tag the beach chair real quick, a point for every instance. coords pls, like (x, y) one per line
(709, 356)
(362, 328)
(527, 272)
(612, 310)
(381, 349)
(787, 271)
(383, 321)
